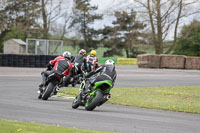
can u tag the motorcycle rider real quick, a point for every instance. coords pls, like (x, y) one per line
(79, 61)
(61, 65)
(92, 61)
(104, 72)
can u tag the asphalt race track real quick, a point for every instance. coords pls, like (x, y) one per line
(18, 101)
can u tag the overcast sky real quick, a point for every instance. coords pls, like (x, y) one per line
(107, 7)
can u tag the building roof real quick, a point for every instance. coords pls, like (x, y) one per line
(19, 41)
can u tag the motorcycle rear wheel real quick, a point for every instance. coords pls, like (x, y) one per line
(66, 81)
(48, 91)
(94, 101)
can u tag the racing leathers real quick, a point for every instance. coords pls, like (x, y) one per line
(91, 63)
(104, 72)
(61, 67)
(79, 62)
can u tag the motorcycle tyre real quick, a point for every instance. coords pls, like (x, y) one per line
(40, 96)
(73, 84)
(66, 81)
(76, 102)
(48, 91)
(95, 102)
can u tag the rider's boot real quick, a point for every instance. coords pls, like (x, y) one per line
(41, 85)
(40, 89)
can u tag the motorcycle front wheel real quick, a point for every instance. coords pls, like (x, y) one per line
(48, 91)
(94, 101)
(76, 102)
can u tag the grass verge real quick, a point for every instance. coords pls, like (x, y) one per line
(179, 98)
(8, 126)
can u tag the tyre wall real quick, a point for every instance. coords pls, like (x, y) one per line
(143, 61)
(19, 60)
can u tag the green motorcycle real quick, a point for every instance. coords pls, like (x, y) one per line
(97, 96)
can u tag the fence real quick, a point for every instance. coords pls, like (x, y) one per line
(44, 47)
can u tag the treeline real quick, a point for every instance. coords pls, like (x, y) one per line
(148, 22)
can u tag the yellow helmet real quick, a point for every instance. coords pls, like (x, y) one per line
(93, 52)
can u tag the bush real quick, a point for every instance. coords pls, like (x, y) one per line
(189, 40)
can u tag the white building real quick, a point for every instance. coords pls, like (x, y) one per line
(14, 46)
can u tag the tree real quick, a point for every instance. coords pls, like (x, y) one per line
(164, 16)
(83, 16)
(125, 34)
(189, 41)
(18, 14)
(51, 11)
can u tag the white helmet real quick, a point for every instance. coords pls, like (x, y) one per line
(110, 62)
(67, 54)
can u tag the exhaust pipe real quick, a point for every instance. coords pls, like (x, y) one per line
(108, 97)
(57, 89)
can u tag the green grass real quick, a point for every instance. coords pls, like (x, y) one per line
(179, 99)
(100, 51)
(7, 126)
(102, 60)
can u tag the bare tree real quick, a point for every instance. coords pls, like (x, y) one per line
(164, 16)
(51, 11)
(61, 29)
